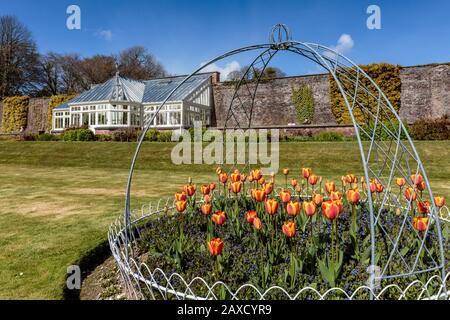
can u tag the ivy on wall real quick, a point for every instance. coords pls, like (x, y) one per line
(15, 113)
(386, 76)
(54, 102)
(303, 100)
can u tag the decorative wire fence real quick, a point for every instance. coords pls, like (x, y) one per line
(140, 282)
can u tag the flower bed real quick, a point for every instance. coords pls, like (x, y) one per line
(291, 233)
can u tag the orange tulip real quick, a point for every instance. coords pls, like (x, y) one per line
(379, 187)
(206, 208)
(256, 174)
(223, 178)
(421, 186)
(294, 183)
(219, 218)
(235, 176)
(439, 201)
(250, 216)
(350, 178)
(420, 223)
(289, 229)
(318, 199)
(423, 207)
(189, 189)
(309, 207)
(271, 206)
(400, 182)
(257, 223)
(335, 195)
(286, 171)
(353, 196)
(410, 194)
(215, 246)
(306, 172)
(243, 177)
(330, 210)
(340, 205)
(250, 179)
(181, 205)
(262, 180)
(180, 196)
(207, 198)
(259, 194)
(219, 170)
(330, 186)
(236, 186)
(416, 179)
(285, 196)
(268, 188)
(212, 186)
(205, 189)
(312, 179)
(293, 208)
(372, 185)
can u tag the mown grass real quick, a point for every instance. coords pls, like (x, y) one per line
(57, 199)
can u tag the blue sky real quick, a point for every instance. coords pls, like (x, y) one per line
(183, 34)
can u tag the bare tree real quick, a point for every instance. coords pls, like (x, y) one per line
(50, 74)
(18, 58)
(137, 63)
(97, 69)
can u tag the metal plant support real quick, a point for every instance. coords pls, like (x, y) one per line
(386, 152)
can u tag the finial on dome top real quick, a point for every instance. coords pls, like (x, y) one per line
(117, 68)
(280, 33)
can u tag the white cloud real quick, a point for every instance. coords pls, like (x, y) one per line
(104, 34)
(225, 71)
(345, 44)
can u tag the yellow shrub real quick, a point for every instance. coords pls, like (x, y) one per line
(386, 76)
(15, 113)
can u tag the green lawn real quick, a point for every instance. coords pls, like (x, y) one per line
(57, 199)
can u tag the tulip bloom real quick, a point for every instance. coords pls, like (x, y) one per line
(410, 194)
(235, 176)
(236, 187)
(439, 201)
(289, 229)
(262, 180)
(379, 187)
(330, 210)
(256, 174)
(259, 194)
(285, 196)
(250, 216)
(350, 178)
(293, 208)
(340, 205)
(372, 186)
(205, 189)
(318, 199)
(243, 177)
(420, 223)
(416, 179)
(421, 186)
(312, 180)
(309, 207)
(400, 182)
(423, 207)
(271, 206)
(189, 189)
(306, 172)
(335, 195)
(207, 198)
(212, 186)
(215, 246)
(180, 196)
(223, 178)
(294, 183)
(353, 196)
(330, 187)
(219, 218)
(268, 188)
(181, 205)
(257, 223)
(286, 171)
(206, 208)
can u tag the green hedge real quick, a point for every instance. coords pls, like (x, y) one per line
(303, 100)
(386, 76)
(54, 102)
(78, 135)
(15, 113)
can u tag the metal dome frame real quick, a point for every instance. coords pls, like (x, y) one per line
(381, 159)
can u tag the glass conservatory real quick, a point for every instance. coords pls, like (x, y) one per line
(122, 103)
